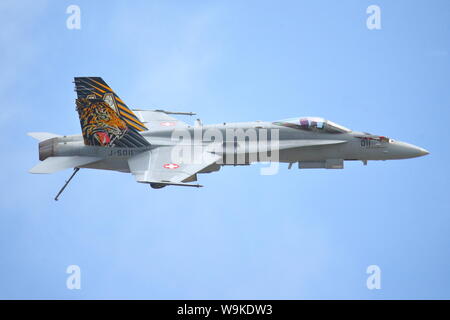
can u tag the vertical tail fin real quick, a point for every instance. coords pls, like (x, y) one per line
(105, 119)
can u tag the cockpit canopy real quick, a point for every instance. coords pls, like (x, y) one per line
(312, 124)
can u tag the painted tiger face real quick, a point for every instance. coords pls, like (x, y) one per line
(100, 124)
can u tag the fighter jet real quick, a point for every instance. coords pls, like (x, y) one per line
(161, 150)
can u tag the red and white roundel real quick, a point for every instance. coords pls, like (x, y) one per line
(171, 166)
(167, 123)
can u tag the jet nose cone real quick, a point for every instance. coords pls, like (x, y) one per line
(422, 152)
(404, 150)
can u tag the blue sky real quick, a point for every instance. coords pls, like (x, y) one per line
(296, 235)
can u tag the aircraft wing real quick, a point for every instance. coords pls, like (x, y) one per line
(157, 166)
(159, 119)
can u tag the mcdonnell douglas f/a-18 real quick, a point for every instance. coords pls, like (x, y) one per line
(160, 150)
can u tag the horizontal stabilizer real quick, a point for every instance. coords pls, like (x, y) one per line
(42, 136)
(54, 164)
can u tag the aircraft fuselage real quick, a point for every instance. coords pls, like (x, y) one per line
(242, 143)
